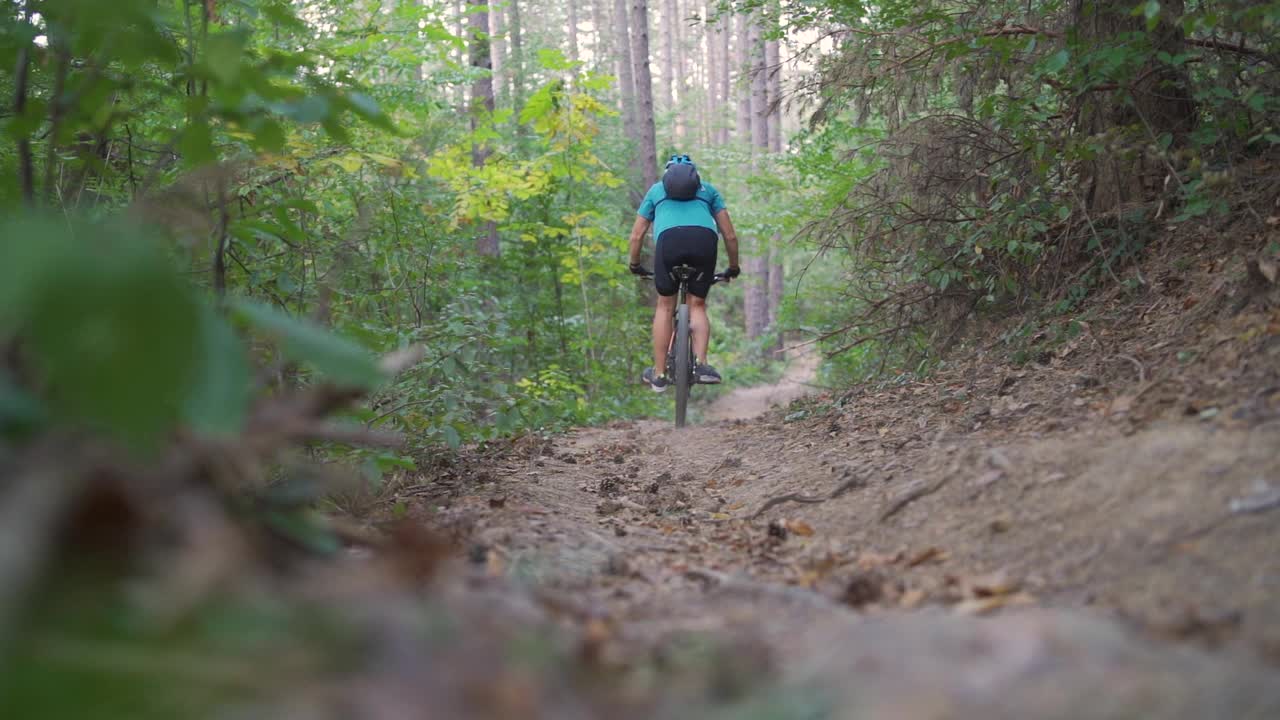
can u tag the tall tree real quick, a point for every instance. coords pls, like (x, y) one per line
(600, 42)
(667, 70)
(681, 75)
(627, 88)
(724, 93)
(773, 102)
(515, 29)
(742, 68)
(482, 103)
(647, 157)
(711, 36)
(497, 52)
(573, 30)
(755, 294)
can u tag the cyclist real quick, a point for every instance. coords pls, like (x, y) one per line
(685, 214)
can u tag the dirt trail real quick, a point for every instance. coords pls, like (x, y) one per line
(857, 554)
(749, 402)
(1090, 534)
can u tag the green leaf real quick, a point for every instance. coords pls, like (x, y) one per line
(109, 323)
(303, 341)
(1057, 61)
(220, 390)
(196, 145)
(452, 437)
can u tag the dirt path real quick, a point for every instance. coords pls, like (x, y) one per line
(1092, 533)
(859, 553)
(750, 402)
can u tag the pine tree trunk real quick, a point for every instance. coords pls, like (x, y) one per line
(482, 103)
(647, 158)
(600, 42)
(627, 88)
(725, 94)
(666, 78)
(773, 100)
(711, 82)
(681, 76)
(742, 65)
(497, 50)
(573, 30)
(757, 266)
(516, 58)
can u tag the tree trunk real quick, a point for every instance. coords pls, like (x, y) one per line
(711, 82)
(681, 76)
(573, 30)
(757, 266)
(742, 65)
(516, 58)
(725, 92)
(773, 100)
(482, 103)
(647, 158)
(627, 90)
(666, 78)
(1159, 102)
(497, 52)
(600, 44)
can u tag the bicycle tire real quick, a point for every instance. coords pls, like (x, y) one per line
(683, 368)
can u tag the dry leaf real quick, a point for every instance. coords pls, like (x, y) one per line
(983, 606)
(993, 585)
(871, 560)
(912, 599)
(800, 527)
(931, 554)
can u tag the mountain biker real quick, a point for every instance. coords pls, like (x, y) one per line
(685, 214)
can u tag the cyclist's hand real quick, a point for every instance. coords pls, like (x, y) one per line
(733, 272)
(642, 271)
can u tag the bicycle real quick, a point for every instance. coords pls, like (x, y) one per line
(680, 359)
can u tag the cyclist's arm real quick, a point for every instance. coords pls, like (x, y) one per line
(730, 236)
(637, 237)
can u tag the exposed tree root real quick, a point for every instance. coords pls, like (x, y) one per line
(843, 488)
(912, 494)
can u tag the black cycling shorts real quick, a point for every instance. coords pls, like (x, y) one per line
(686, 245)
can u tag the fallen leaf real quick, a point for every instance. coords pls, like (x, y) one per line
(870, 560)
(912, 599)
(993, 585)
(986, 605)
(930, 554)
(800, 528)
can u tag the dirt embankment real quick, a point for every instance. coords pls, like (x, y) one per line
(1090, 534)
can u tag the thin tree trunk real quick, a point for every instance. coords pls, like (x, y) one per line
(773, 100)
(482, 104)
(627, 89)
(711, 36)
(516, 58)
(742, 65)
(725, 92)
(600, 46)
(573, 30)
(648, 155)
(666, 79)
(757, 266)
(497, 52)
(681, 76)
(26, 163)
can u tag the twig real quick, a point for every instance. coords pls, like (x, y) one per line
(911, 495)
(1142, 370)
(843, 488)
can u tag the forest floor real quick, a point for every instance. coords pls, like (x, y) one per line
(1094, 532)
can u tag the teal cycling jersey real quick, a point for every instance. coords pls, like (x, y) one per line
(666, 213)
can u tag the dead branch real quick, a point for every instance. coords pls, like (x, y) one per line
(916, 491)
(843, 488)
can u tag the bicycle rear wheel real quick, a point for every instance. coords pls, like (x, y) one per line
(683, 366)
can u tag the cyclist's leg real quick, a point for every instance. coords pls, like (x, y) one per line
(662, 332)
(663, 261)
(701, 326)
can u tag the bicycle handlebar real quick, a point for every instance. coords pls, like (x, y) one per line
(717, 278)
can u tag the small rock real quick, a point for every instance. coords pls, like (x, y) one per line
(1000, 525)
(778, 529)
(608, 507)
(497, 502)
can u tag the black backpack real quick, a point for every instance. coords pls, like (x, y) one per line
(681, 182)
